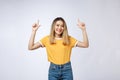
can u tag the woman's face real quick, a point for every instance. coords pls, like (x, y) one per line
(59, 28)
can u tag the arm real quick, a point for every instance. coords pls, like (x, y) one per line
(31, 44)
(85, 42)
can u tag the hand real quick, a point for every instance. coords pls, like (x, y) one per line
(35, 26)
(81, 25)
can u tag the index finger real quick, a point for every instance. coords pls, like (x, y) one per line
(78, 20)
(38, 21)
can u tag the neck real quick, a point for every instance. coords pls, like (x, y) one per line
(58, 36)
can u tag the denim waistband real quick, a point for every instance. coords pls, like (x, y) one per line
(61, 66)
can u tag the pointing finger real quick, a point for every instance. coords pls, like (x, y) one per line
(38, 21)
(78, 20)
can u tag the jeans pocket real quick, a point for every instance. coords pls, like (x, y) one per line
(52, 67)
(68, 67)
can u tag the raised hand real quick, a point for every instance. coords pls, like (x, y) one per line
(35, 26)
(81, 25)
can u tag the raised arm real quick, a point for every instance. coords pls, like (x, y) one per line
(85, 42)
(31, 44)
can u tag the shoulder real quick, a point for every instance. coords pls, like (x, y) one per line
(71, 38)
(46, 37)
(72, 41)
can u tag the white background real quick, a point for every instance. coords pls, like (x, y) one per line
(101, 61)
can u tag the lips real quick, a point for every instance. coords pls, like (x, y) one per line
(58, 31)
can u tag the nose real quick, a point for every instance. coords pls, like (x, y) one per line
(60, 27)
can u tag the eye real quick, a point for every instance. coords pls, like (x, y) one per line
(62, 26)
(57, 25)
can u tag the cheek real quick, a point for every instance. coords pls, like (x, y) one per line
(63, 28)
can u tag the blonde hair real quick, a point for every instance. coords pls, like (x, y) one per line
(64, 35)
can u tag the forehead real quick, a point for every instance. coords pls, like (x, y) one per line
(59, 22)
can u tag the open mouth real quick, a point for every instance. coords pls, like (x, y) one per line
(59, 30)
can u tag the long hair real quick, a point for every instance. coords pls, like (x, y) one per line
(64, 35)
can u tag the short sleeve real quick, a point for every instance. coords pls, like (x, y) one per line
(44, 40)
(73, 41)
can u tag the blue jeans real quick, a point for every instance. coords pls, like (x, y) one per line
(60, 72)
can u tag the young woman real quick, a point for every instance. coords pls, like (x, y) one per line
(58, 46)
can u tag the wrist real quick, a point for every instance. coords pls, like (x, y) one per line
(83, 30)
(33, 31)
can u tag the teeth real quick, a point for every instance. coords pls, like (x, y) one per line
(59, 30)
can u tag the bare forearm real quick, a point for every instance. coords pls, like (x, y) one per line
(85, 38)
(31, 41)
(85, 42)
(31, 44)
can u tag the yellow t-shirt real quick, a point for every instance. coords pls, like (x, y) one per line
(58, 53)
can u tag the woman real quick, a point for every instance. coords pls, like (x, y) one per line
(58, 46)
